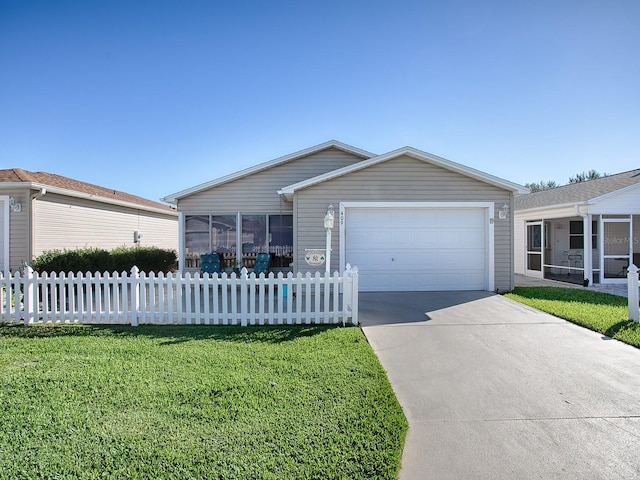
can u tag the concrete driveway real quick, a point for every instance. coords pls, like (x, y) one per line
(493, 389)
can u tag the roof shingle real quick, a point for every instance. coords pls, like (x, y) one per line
(577, 192)
(52, 180)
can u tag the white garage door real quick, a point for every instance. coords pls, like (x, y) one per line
(417, 249)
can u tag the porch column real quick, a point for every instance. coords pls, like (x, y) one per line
(181, 243)
(588, 248)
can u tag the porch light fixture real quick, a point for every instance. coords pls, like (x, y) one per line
(503, 212)
(328, 224)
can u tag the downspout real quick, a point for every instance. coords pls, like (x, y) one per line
(588, 248)
(32, 223)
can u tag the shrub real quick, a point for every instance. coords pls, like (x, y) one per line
(147, 259)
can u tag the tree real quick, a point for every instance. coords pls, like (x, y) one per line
(584, 176)
(541, 185)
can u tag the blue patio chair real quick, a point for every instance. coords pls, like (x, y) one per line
(263, 261)
(210, 263)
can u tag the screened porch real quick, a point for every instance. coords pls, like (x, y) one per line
(238, 238)
(582, 250)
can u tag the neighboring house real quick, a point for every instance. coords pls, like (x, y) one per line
(581, 232)
(407, 219)
(41, 211)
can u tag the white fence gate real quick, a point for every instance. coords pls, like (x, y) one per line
(180, 300)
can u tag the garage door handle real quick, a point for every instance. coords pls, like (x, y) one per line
(392, 259)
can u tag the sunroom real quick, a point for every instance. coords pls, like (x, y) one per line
(238, 237)
(581, 233)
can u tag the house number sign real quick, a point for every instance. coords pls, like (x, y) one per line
(315, 256)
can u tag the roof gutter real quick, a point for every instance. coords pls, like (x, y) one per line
(85, 196)
(564, 205)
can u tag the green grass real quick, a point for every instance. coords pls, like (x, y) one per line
(88, 402)
(602, 312)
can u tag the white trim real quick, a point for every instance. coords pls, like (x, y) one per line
(613, 193)
(5, 234)
(289, 190)
(85, 196)
(551, 207)
(528, 272)
(173, 198)
(488, 207)
(601, 254)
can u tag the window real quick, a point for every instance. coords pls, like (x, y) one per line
(196, 236)
(254, 234)
(281, 240)
(576, 235)
(257, 234)
(224, 238)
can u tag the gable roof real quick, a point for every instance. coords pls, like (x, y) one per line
(19, 178)
(266, 165)
(581, 192)
(289, 190)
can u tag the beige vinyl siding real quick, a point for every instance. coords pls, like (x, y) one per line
(70, 223)
(19, 236)
(257, 193)
(402, 179)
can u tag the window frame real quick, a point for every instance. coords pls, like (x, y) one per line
(239, 254)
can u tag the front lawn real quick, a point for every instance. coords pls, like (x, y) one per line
(602, 312)
(91, 402)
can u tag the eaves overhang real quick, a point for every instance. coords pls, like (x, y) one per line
(173, 198)
(288, 192)
(85, 196)
(553, 207)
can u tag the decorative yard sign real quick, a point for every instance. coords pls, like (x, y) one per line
(315, 256)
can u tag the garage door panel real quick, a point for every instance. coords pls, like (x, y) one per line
(432, 216)
(474, 259)
(421, 248)
(402, 239)
(374, 282)
(470, 218)
(452, 239)
(474, 236)
(428, 260)
(400, 218)
(372, 240)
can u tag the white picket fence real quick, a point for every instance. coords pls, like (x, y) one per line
(172, 299)
(632, 293)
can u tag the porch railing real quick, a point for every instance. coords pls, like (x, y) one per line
(196, 299)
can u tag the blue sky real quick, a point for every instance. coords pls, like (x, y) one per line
(155, 97)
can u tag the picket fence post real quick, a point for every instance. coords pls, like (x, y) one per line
(135, 295)
(30, 302)
(350, 292)
(632, 292)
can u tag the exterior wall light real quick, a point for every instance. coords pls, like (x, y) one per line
(328, 224)
(503, 212)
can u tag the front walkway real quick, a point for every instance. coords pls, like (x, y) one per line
(615, 289)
